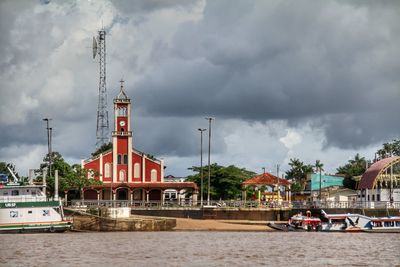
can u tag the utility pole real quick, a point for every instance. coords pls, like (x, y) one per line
(209, 158)
(49, 135)
(201, 164)
(277, 176)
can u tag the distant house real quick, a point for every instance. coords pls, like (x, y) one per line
(174, 194)
(327, 180)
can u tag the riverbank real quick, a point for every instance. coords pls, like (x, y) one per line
(184, 224)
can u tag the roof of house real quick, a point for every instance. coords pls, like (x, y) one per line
(266, 179)
(369, 177)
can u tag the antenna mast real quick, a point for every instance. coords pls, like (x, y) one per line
(102, 131)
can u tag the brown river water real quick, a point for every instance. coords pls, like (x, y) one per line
(200, 249)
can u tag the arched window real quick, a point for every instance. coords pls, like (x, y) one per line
(107, 170)
(119, 159)
(125, 159)
(90, 174)
(136, 170)
(122, 175)
(153, 175)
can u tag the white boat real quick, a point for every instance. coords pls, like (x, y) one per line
(384, 225)
(300, 222)
(359, 223)
(347, 222)
(25, 208)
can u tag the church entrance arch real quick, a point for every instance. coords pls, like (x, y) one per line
(138, 194)
(122, 194)
(155, 194)
(90, 194)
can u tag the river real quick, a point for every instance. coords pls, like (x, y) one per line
(200, 248)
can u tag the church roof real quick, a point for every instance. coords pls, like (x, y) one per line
(122, 95)
(369, 177)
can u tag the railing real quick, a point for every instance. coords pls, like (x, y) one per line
(346, 204)
(182, 203)
(120, 133)
(232, 204)
(6, 199)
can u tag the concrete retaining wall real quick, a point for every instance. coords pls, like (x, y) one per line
(89, 222)
(219, 214)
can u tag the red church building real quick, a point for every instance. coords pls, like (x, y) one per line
(128, 173)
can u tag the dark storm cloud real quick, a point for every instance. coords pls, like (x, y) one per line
(263, 60)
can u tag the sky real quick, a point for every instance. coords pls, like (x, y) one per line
(283, 79)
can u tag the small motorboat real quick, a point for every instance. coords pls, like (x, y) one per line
(299, 222)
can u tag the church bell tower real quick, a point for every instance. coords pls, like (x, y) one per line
(122, 138)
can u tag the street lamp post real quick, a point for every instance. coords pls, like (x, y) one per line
(209, 164)
(49, 134)
(201, 164)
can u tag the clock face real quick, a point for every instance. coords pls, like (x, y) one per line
(122, 123)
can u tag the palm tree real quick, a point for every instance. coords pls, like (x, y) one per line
(298, 171)
(318, 167)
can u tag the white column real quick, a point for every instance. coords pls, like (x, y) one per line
(114, 165)
(143, 168)
(101, 167)
(56, 185)
(162, 171)
(129, 159)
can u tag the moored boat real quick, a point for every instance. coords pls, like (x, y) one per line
(348, 222)
(25, 208)
(384, 225)
(360, 223)
(300, 222)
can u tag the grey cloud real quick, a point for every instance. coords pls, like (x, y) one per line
(169, 136)
(333, 64)
(274, 60)
(128, 6)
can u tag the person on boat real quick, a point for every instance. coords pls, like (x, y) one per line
(308, 214)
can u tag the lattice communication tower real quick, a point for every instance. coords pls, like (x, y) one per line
(102, 131)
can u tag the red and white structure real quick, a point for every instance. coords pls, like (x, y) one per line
(127, 173)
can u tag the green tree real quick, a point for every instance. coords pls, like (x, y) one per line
(319, 168)
(354, 167)
(226, 182)
(70, 177)
(102, 149)
(57, 163)
(298, 173)
(389, 149)
(4, 169)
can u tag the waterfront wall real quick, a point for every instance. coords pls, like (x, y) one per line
(90, 222)
(219, 214)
